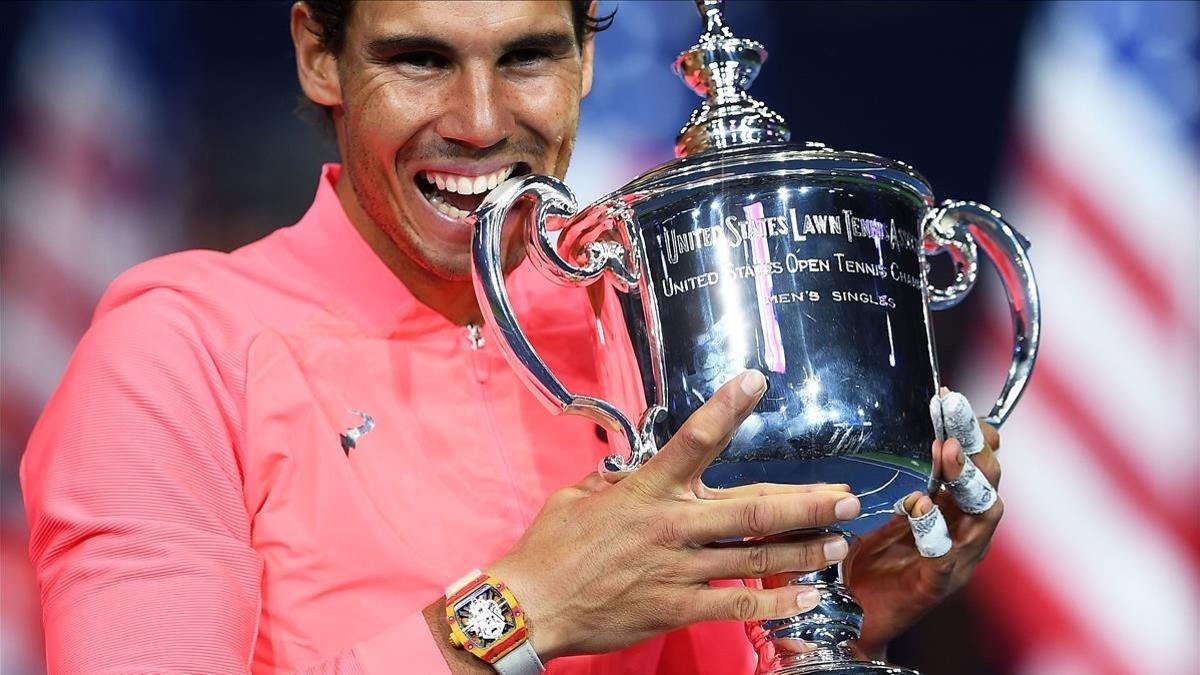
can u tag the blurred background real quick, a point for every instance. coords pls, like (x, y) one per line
(130, 130)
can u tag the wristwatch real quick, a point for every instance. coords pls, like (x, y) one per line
(485, 619)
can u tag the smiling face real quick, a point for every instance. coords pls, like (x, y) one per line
(436, 103)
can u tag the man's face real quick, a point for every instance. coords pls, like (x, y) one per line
(441, 101)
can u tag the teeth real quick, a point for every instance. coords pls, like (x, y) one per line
(445, 209)
(468, 185)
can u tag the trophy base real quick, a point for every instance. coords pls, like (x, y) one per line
(831, 660)
(846, 668)
(832, 625)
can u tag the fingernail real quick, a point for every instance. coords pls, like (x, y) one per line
(944, 392)
(753, 383)
(836, 549)
(807, 598)
(846, 508)
(961, 457)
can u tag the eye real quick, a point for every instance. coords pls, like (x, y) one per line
(525, 57)
(420, 60)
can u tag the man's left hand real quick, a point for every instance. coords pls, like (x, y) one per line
(896, 585)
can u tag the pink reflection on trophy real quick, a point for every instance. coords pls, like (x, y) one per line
(760, 258)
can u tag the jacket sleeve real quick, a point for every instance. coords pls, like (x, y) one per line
(139, 532)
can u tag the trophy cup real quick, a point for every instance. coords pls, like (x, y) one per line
(747, 251)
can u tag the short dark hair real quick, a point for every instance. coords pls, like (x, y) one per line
(332, 16)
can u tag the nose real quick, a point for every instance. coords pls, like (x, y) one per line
(477, 114)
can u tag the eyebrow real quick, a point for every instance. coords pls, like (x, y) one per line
(551, 41)
(555, 42)
(407, 43)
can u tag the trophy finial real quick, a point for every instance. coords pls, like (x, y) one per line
(719, 67)
(713, 13)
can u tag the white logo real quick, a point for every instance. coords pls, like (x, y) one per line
(351, 436)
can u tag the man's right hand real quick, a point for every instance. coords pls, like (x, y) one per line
(604, 566)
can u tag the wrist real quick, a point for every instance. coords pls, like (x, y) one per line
(544, 632)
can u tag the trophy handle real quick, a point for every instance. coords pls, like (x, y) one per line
(550, 198)
(956, 227)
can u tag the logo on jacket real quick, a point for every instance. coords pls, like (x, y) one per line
(351, 435)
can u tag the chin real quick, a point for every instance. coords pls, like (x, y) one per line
(457, 268)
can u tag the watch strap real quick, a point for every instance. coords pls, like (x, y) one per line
(520, 661)
(467, 578)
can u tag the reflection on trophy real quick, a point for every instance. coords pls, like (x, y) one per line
(748, 251)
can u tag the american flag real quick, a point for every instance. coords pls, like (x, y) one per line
(1097, 563)
(89, 189)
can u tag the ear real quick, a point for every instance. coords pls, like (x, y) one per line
(588, 54)
(316, 66)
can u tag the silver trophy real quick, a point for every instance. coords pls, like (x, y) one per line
(748, 251)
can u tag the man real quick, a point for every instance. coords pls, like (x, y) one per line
(279, 459)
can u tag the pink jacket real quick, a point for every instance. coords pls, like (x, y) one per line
(191, 504)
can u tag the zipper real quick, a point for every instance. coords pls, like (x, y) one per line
(475, 336)
(480, 367)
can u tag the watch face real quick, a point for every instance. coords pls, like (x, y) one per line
(485, 616)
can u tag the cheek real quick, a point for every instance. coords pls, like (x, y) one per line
(382, 117)
(551, 104)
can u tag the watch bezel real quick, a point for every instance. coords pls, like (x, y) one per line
(490, 650)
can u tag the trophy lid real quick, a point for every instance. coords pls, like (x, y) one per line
(719, 67)
(732, 135)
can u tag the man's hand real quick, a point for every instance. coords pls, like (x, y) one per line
(604, 566)
(890, 579)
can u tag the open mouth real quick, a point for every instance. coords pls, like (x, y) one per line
(457, 195)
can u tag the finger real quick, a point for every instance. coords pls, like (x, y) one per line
(929, 529)
(951, 458)
(756, 561)
(937, 458)
(770, 514)
(763, 489)
(704, 435)
(991, 436)
(749, 604)
(959, 421)
(593, 482)
(916, 504)
(794, 646)
(971, 490)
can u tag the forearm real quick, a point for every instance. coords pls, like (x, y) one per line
(460, 661)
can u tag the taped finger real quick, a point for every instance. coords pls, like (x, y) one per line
(929, 531)
(971, 490)
(953, 417)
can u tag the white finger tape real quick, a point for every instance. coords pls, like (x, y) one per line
(935, 414)
(929, 531)
(953, 417)
(971, 490)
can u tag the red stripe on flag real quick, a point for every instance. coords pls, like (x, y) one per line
(1058, 392)
(1040, 175)
(1004, 581)
(19, 410)
(56, 293)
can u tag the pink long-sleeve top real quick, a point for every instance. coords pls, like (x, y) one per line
(192, 507)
